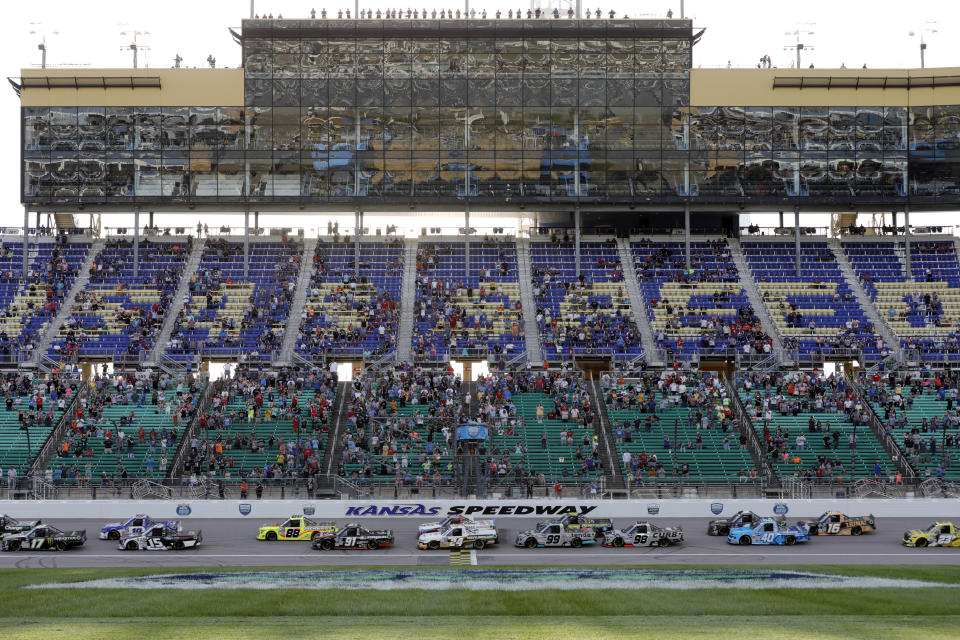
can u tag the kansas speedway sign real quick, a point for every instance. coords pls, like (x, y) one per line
(379, 510)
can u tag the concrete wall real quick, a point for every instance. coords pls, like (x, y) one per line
(922, 508)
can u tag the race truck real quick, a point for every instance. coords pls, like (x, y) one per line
(353, 536)
(429, 527)
(722, 526)
(133, 526)
(768, 531)
(12, 525)
(554, 534)
(459, 536)
(835, 523)
(160, 537)
(643, 534)
(43, 538)
(296, 528)
(574, 522)
(938, 534)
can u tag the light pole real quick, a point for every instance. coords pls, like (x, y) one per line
(133, 46)
(799, 46)
(42, 47)
(927, 28)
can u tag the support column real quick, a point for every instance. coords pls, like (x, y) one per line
(894, 222)
(150, 220)
(466, 230)
(26, 238)
(796, 237)
(781, 220)
(37, 226)
(686, 234)
(908, 266)
(256, 219)
(576, 236)
(136, 242)
(246, 242)
(357, 231)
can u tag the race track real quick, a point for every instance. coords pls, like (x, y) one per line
(233, 543)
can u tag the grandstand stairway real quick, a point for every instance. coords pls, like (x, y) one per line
(408, 293)
(531, 335)
(652, 353)
(341, 402)
(292, 330)
(616, 483)
(79, 283)
(879, 324)
(65, 220)
(772, 482)
(171, 314)
(876, 425)
(192, 430)
(753, 293)
(49, 447)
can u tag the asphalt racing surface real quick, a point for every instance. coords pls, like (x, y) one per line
(232, 542)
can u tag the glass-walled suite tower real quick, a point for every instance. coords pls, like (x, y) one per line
(501, 113)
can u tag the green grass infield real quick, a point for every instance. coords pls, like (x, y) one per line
(596, 613)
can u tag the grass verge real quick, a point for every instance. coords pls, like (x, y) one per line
(812, 627)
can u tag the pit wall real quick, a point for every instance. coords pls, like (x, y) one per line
(433, 509)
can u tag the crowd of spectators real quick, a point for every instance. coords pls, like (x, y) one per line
(257, 324)
(400, 424)
(107, 440)
(567, 454)
(701, 396)
(582, 314)
(349, 314)
(112, 303)
(467, 314)
(929, 440)
(773, 395)
(711, 264)
(43, 290)
(259, 418)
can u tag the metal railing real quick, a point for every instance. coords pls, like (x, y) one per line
(193, 426)
(876, 425)
(749, 432)
(56, 435)
(324, 487)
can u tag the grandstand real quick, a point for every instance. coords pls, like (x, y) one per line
(629, 332)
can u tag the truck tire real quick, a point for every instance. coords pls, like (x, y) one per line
(271, 536)
(433, 545)
(113, 535)
(14, 546)
(62, 546)
(576, 543)
(530, 543)
(132, 546)
(617, 542)
(326, 544)
(372, 545)
(178, 545)
(723, 531)
(790, 541)
(745, 540)
(663, 542)
(921, 542)
(479, 544)
(855, 531)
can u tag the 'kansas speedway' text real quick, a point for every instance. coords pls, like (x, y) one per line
(468, 510)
